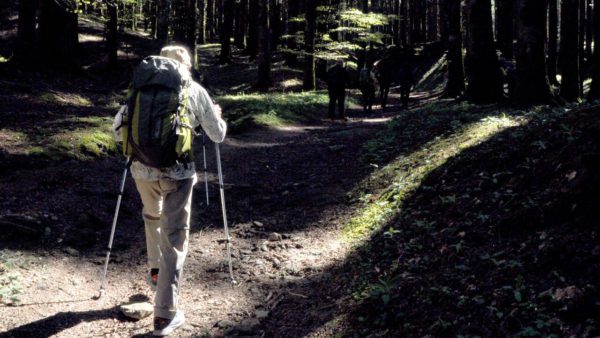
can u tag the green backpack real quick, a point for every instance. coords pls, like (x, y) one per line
(157, 129)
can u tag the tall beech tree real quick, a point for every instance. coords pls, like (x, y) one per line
(504, 26)
(227, 30)
(58, 32)
(264, 43)
(26, 34)
(456, 77)
(532, 84)
(481, 62)
(569, 50)
(309, 45)
(595, 68)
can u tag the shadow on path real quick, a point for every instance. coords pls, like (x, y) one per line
(59, 322)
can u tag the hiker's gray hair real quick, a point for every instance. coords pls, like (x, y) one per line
(178, 53)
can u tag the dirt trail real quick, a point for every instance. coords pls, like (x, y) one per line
(286, 193)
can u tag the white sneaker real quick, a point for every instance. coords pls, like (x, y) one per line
(164, 327)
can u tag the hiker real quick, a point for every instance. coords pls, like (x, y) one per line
(368, 87)
(166, 192)
(337, 78)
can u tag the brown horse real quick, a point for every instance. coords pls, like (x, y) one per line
(396, 67)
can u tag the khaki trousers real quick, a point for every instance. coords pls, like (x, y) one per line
(167, 210)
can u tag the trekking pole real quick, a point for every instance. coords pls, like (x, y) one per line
(205, 169)
(114, 226)
(222, 190)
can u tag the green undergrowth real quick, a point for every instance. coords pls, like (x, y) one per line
(403, 174)
(95, 140)
(10, 278)
(91, 138)
(460, 233)
(274, 110)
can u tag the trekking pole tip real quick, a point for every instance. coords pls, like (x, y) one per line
(100, 294)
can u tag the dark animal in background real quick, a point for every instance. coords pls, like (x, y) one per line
(368, 86)
(337, 79)
(396, 67)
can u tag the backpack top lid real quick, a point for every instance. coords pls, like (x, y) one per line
(163, 71)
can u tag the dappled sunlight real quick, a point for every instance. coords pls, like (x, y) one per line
(408, 172)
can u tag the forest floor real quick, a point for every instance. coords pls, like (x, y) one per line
(446, 219)
(287, 198)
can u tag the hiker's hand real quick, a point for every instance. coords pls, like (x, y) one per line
(217, 110)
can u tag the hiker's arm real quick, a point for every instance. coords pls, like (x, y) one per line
(117, 126)
(209, 116)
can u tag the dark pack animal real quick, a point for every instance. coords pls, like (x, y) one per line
(367, 83)
(337, 80)
(396, 67)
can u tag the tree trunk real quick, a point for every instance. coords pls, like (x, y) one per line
(595, 90)
(404, 23)
(292, 29)
(432, 15)
(364, 6)
(202, 21)
(275, 23)
(26, 43)
(162, 22)
(309, 45)
(264, 41)
(112, 43)
(532, 84)
(192, 29)
(582, 67)
(569, 49)
(58, 32)
(443, 22)
(210, 19)
(456, 76)
(227, 31)
(552, 40)
(589, 29)
(253, 29)
(483, 70)
(240, 24)
(504, 26)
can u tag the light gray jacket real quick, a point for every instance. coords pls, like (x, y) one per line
(202, 113)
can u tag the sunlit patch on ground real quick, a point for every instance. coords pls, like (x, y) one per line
(90, 38)
(65, 99)
(409, 171)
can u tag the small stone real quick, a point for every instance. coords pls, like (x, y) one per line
(247, 326)
(264, 248)
(275, 237)
(223, 324)
(47, 231)
(137, 310)
(299, 246)
(258, 224)
(71, 251)
(261, 314)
